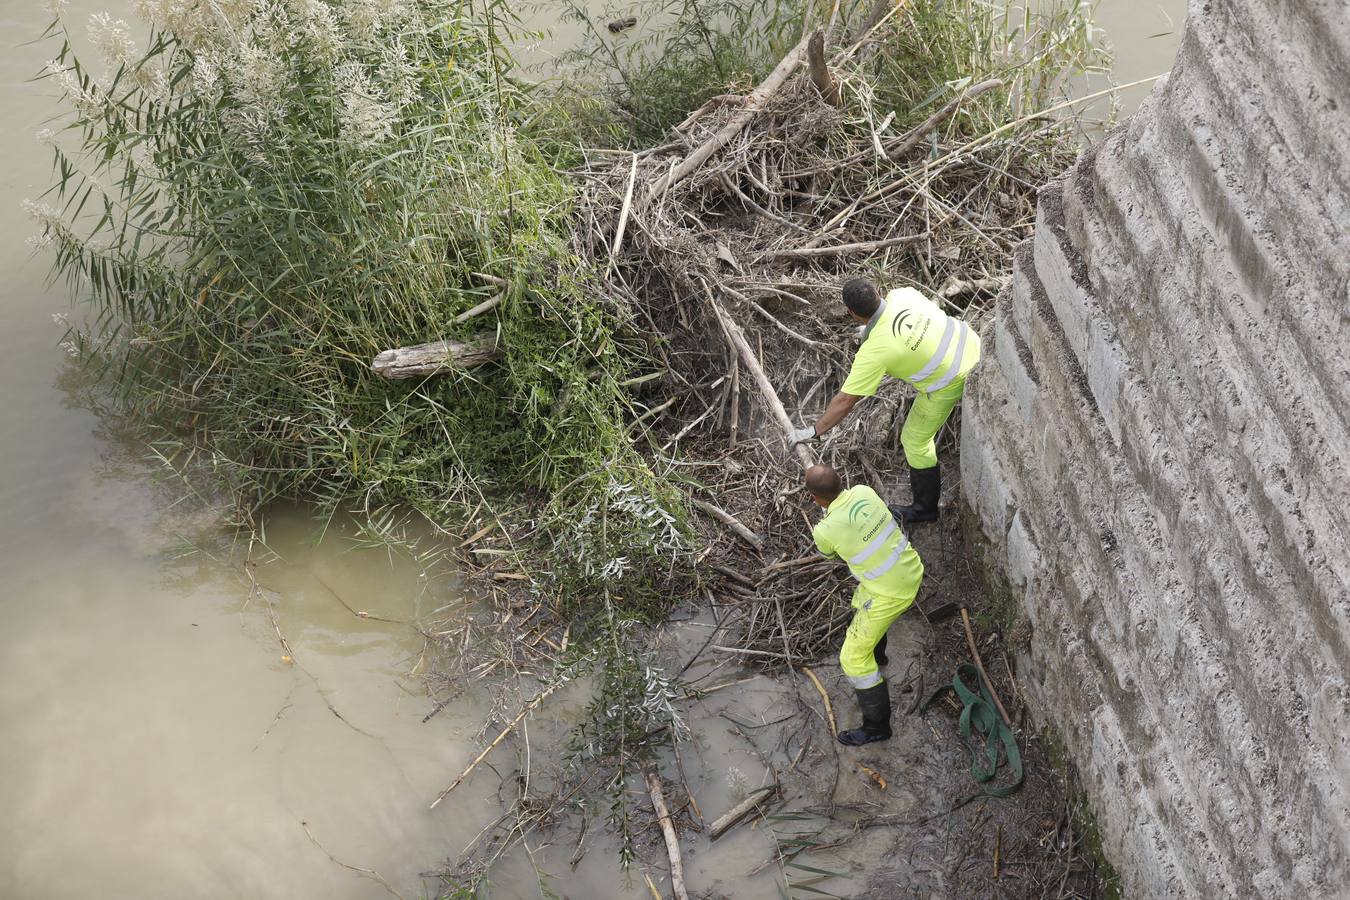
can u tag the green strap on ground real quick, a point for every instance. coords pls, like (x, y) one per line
(979, 713)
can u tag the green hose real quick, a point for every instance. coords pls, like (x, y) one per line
(979, 714)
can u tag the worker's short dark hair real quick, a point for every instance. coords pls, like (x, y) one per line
(861, 297)
(824, 482)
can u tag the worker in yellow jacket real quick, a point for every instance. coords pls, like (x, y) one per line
(859, 528)
(908, 337)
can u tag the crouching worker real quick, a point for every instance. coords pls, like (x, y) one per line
(859, 529)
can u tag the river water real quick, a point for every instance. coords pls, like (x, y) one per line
(159, 740)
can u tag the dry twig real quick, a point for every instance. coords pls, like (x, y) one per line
(979, 665)
(829, 710)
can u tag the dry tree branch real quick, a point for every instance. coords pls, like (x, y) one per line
(897, 147)
(753, 103)
(829, 710)
(842, 249)
(731, 522)
(529, 707)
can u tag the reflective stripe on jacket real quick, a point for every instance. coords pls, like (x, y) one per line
(860, 529)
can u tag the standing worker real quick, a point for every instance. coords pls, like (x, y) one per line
(859, 528)
(909, 337)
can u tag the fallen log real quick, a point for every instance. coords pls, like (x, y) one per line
(436, 358)
(668, 831)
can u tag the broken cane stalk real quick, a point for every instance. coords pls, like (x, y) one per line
(529, 707)
(478, 310)
(724, 822)
(623, 215)
(747, 355)
(841, 249)
(668, 830)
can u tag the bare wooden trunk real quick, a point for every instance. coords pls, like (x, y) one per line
(751, 361)
(436, 358)
(820, 70)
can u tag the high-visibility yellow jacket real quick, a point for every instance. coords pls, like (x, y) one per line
(910, 338)
(860, 529)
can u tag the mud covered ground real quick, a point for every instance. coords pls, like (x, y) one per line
(898, 819)
(901, 818)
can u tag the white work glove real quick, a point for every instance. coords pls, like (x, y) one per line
(860, 332)
(802, 435)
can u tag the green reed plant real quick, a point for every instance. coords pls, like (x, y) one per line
(682, 53)
(925, 53)
(274, 191)
(932, 49)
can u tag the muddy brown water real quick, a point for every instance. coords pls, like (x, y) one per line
(157, 742)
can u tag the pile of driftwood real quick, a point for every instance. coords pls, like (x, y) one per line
(733, 240)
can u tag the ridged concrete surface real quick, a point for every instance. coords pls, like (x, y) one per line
(1158, 448)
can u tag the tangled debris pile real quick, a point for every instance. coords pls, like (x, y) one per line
(733, 240)
(727, 245)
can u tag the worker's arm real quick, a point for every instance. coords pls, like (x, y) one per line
(823, 542)
(839, 407)
(863, 380)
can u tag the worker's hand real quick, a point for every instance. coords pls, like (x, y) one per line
(802, 435)
(860, 332)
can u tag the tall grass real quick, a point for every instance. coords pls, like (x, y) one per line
(273, 192)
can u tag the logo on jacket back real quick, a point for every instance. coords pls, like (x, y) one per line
(911, 319)
(861, 509)
(899, 322)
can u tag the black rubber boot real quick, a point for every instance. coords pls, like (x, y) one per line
(879, 653)
(925, 485)
(876, 717)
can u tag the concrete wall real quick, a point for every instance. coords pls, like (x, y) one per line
(1157, 445)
